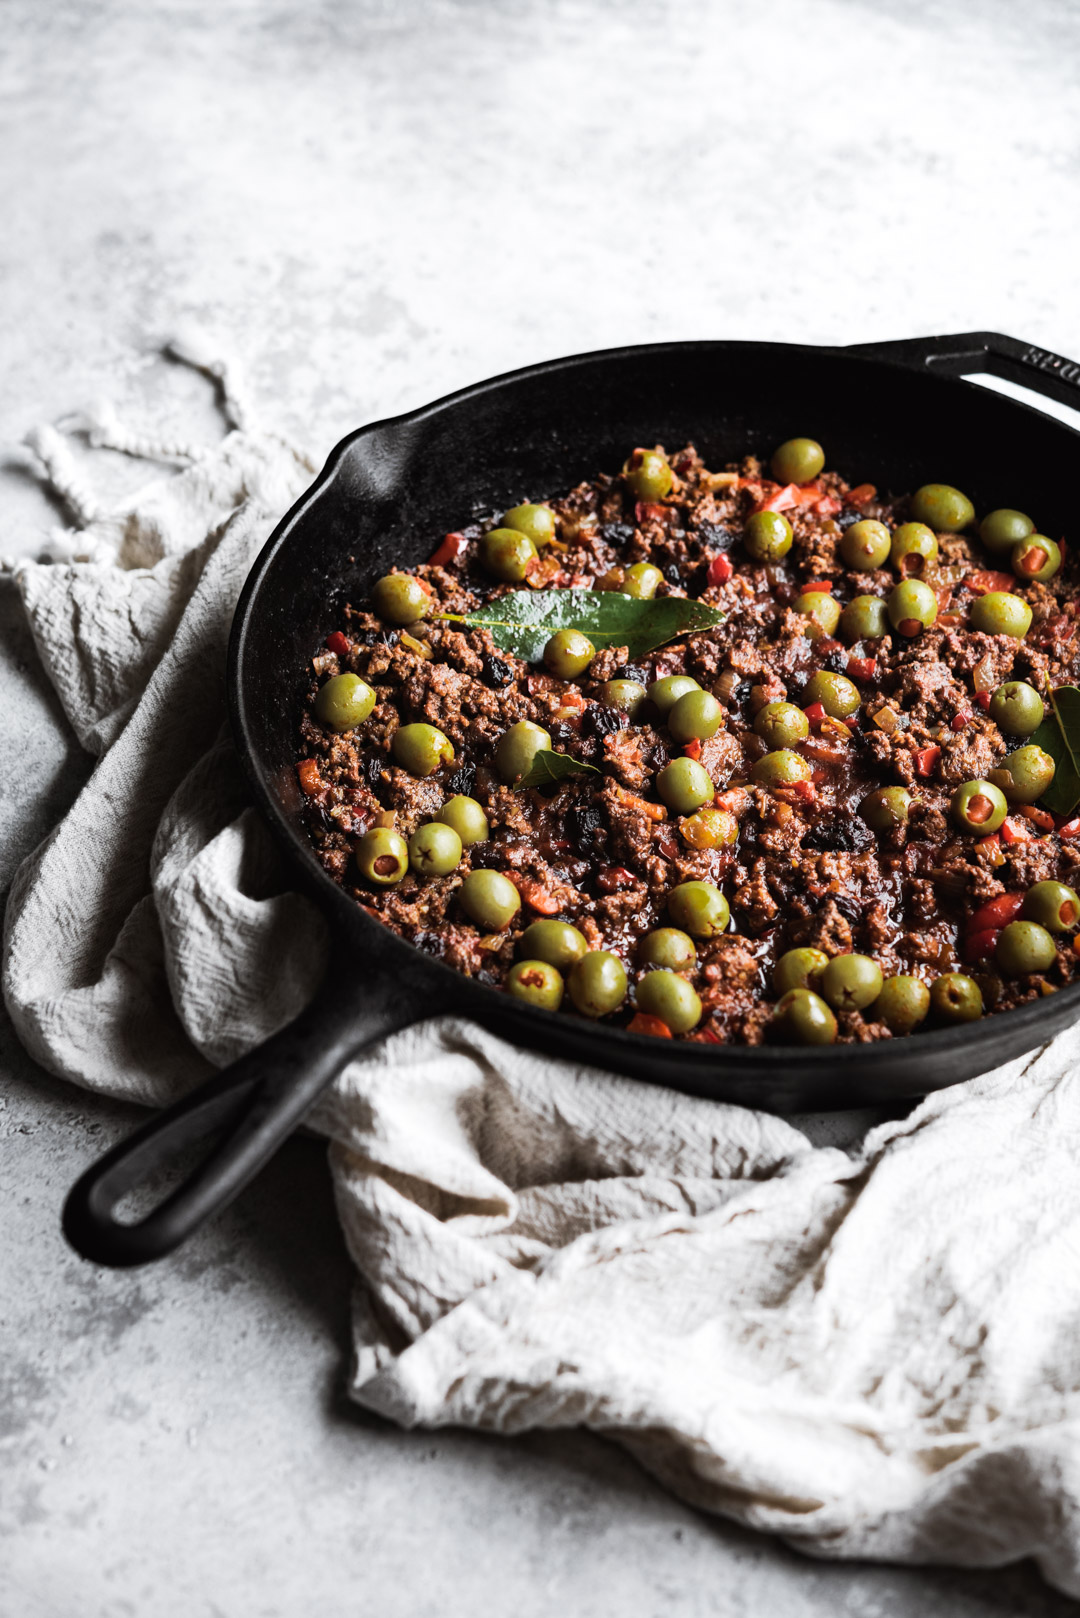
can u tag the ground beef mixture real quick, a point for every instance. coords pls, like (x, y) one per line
(602, 852)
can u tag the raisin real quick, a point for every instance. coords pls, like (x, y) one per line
(430, 943)
(600, 721)
(631, 671)
(585, 828)
(463, 781)
(495, 672)
(617, 533)
(715, 536)
(388, 637)
(836, 662)
(838, 835)
(673, 573)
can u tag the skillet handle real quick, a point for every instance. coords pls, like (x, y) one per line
(256, 1102)
(1008, 357)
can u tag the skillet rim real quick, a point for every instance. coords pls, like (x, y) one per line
(699, 1058)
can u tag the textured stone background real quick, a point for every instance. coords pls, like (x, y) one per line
(372, 203)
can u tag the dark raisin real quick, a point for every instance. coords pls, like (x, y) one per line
(389, 637)
(486, 856)
(631, 671)
(617, 533)
(463, 780)
(600, 721)
(836, 662)
(585, 828)
(430, 943)
(715, 536)
(847, 517)
(838, 835)
(495, 672)
(673, 573)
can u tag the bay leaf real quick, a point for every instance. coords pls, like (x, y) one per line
(523, 621)
(1059, 735)
(548, 768)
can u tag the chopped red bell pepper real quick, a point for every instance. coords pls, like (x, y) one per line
(451, 550)
(337, 642)
(996, 912)
(815, 713)
(1015, 830)
(310, 780)
(535, 895)
(706, 1036)
(1038, 817)
(642, 1023)
(813, 585)
(862, 668)
(983, 699)
(827, 506)
(806, 789)
(992, 845)
(962, 717)
(1076, 944)
(1070, 829)
(861, 494)
(986, 579)
(977, 946)
(720, 569)
(926, 759)
(613, 878)
(693, 748)
(782, 500)
(649, 511)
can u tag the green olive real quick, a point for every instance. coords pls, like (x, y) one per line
(768, 536)
(902, 1004)
(507, 555)
(851, 982)
(886, 808)
(1025, 775)
(421, 748)
(668, 947)
(434, 849)
(684, 785)
(912, 607)
(535, 522)
(641, 581)
(1036, 559)
(865, 545)
(979, 806)
(942, 508)
(956, 998)
(865, 618)
(695, 717)
(400, 599)
(781, 724)
(699, 908)
(517, 747)
(799, 969)
(538, 983)
(490, 899)
(648, 474)
(1024, 947)
(1052, 905)
(804, 1018)
(568, 653)
(465, 816)
(598, 983)
(382, 856)
(710, 828)
(1002, 529)
(913, 545)
(837, 694)
(556, 942)
(344, 702)
(668, 996)
(1001, 613)
(781, 769)
(1017, 708)
(665, 693)
(798, 460)
(626, 695)
(823, 611)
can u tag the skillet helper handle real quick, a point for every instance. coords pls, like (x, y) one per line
(257, 1101)
(1008, 357)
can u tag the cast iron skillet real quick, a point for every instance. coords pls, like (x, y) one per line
(895, 413)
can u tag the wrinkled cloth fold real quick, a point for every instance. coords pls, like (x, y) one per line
(873, 1353)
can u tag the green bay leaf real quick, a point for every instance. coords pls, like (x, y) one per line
(1059, 735)
(548, 768)
(523, 621)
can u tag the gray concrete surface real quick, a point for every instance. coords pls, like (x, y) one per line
(372, 203)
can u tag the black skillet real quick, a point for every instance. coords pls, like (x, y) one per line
(895, 413)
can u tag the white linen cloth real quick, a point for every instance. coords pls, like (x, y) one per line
(873, 1355)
